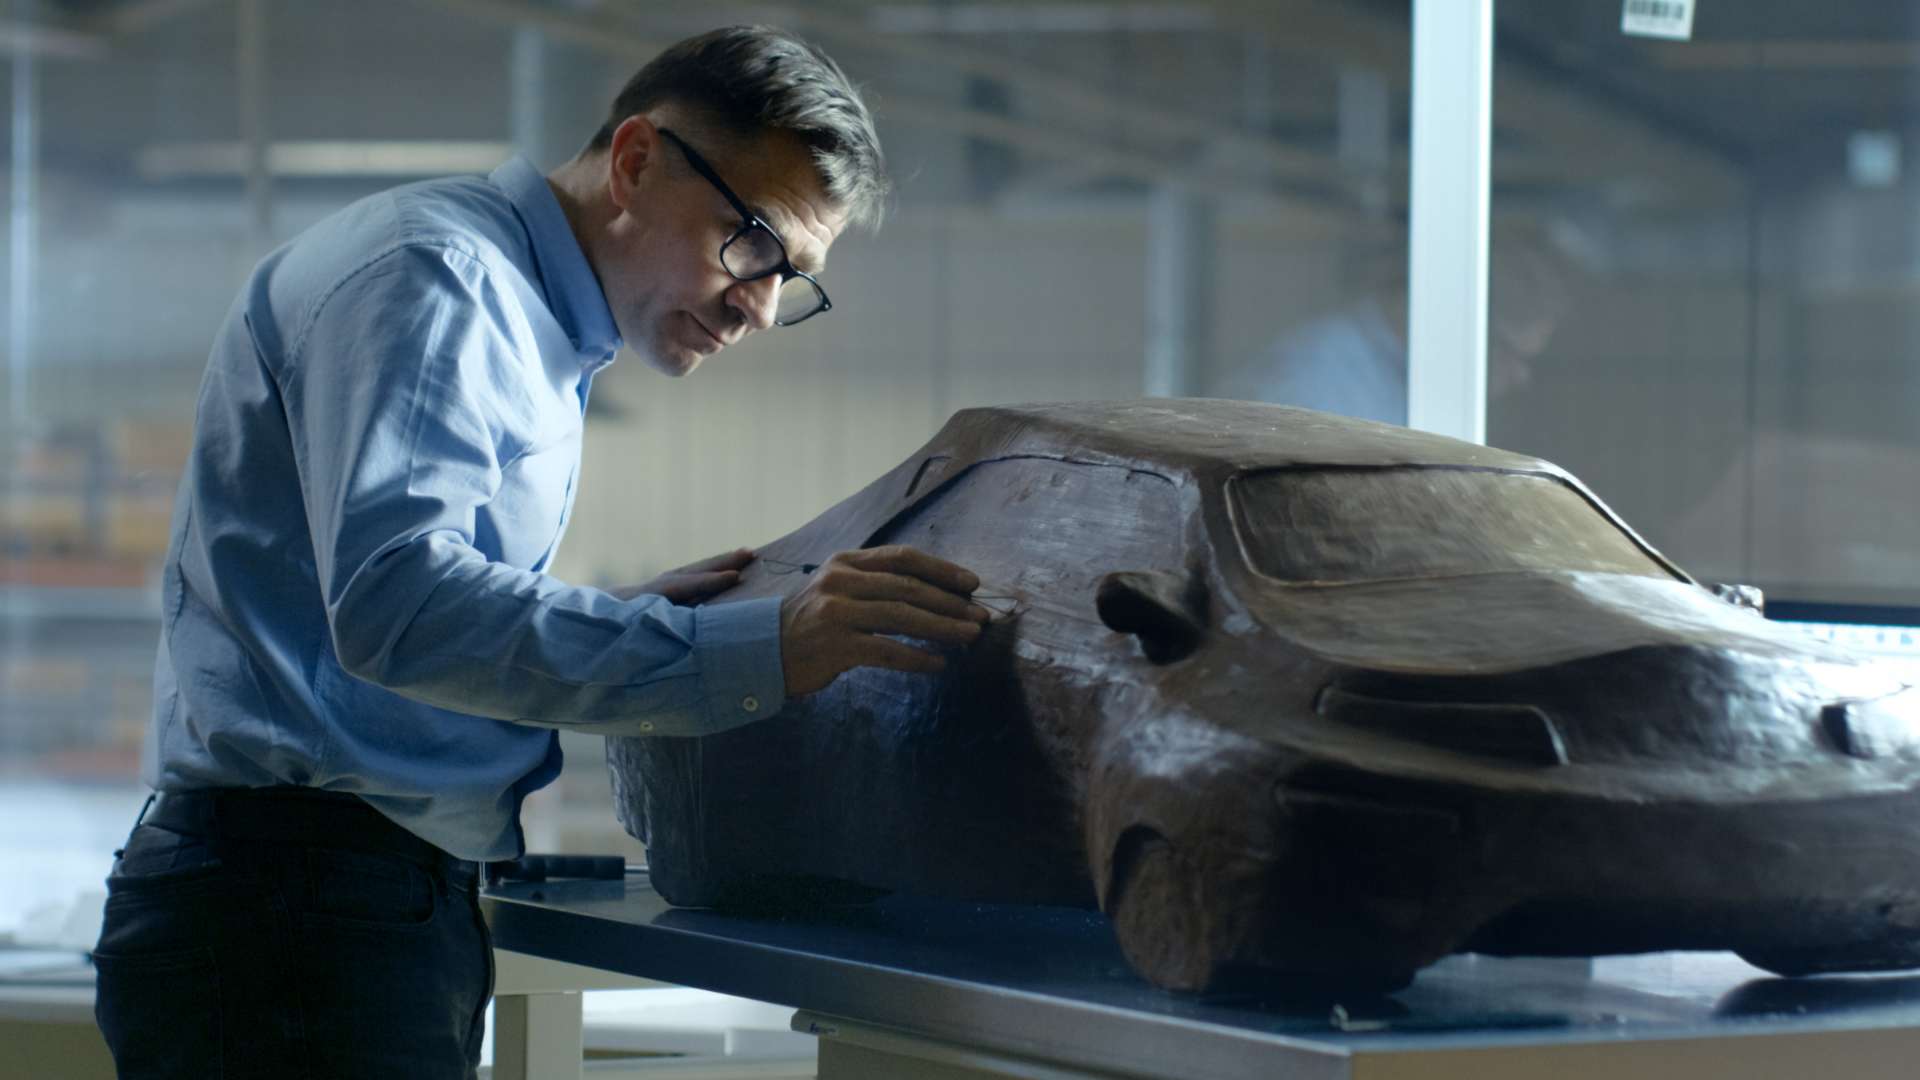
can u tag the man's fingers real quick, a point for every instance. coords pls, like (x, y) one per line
(912, 562)
(737, 559)
(899, 656)
(824, 632)
(893, 617)
(878, 586)
(857, 606)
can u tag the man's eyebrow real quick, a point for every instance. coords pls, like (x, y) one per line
(812, 264)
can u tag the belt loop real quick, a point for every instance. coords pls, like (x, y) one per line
(137, 819)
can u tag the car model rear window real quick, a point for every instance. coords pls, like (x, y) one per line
(1370, 524)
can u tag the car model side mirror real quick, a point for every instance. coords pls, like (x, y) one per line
(1747, 597)
(1167, 612)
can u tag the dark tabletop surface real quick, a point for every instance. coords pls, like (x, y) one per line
(1051, 982)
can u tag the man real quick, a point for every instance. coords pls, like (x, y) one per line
(359, 640)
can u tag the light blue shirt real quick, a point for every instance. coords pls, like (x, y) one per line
(1351, 362)
(386, 451)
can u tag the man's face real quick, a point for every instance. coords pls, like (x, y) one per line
(659, 262)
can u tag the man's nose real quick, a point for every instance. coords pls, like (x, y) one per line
(757, 300)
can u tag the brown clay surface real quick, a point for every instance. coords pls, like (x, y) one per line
(1286, 692)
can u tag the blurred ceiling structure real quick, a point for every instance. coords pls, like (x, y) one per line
(1227, 98)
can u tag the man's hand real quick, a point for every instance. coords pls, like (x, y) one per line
(694, 582)
(838, 621)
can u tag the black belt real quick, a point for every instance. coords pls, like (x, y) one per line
(293, 816)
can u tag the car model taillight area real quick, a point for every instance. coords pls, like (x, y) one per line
(1879, 728)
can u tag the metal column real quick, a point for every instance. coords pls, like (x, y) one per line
(22, 222)
(1179, 287)
(250, 62)
(1447, 251)
(526, 98)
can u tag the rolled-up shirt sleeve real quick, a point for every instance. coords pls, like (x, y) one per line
(408, 396)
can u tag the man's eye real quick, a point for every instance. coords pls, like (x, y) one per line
(763, 247)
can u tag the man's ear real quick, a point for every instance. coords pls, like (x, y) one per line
(1167, 612)
(635, 147)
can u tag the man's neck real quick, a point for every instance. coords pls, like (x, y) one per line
(580, 188)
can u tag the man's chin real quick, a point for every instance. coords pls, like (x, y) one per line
(676, 360)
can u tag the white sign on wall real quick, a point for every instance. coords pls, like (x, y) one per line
(1671, 19)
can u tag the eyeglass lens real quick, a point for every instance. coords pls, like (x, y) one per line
(799, 298)
(754, 252)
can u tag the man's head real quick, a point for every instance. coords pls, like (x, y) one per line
(748, 111)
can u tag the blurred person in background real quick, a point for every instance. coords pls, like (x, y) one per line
(1353, 360)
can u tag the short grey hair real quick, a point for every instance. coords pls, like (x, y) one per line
(753, 79)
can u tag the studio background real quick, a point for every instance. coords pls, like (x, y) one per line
(1703, 284)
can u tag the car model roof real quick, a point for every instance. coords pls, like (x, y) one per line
(1206, 436)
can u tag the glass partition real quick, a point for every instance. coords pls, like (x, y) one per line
(1705, 273)
(1094, 200)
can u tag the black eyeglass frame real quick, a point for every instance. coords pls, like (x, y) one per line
(750, 221)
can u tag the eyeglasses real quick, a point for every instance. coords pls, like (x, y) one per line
(755, 251)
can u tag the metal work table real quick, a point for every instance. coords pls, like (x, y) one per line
(909, 987)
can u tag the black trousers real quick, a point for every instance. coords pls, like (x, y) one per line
(281, 932)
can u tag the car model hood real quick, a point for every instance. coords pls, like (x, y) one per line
(1491, 624)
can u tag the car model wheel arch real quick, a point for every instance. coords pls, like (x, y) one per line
(1157, 916)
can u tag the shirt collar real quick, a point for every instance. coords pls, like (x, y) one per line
(573, 291)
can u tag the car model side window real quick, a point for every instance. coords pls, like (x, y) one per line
(1042, 530)
(1374, 524)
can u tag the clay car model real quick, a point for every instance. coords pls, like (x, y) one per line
(1282, 691)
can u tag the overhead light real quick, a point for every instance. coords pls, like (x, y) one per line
(1037, 18)
(312, 159)
(22, 35)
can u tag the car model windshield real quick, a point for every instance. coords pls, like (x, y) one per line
(1372, 524)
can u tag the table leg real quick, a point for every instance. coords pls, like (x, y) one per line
(536, 1036)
